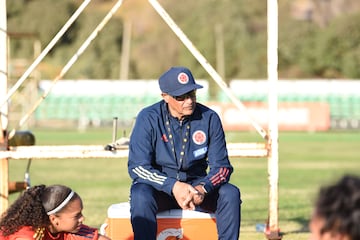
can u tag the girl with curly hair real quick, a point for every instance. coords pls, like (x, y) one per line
(47, 213)
(336, 213)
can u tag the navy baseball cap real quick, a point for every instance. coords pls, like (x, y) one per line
(177, 81)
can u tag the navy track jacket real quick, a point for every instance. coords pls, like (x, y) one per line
(164, 150)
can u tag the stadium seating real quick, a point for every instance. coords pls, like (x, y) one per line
(124, 99)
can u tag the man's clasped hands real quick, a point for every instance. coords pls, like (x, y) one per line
(187, 196)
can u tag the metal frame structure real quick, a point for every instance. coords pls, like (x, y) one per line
(268, 149)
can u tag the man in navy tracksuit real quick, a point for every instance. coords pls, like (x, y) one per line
(178, 159)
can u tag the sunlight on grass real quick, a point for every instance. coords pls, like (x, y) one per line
(306, 161)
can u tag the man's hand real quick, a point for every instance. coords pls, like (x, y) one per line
(184, 194)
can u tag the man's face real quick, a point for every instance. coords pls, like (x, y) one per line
(181, 106)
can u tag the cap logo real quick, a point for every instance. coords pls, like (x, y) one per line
(183, 78)
(199, 137)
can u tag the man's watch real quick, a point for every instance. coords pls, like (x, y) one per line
(203, 188)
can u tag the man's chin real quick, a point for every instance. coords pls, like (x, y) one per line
(188, 111)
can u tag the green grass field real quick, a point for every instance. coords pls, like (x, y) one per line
(306, 161)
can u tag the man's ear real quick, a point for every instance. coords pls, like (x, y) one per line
(165, 97)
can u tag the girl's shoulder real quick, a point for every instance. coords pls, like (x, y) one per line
(24, 233)
(85, 233)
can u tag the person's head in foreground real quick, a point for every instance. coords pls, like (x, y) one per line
(56, 208)
(336, 213)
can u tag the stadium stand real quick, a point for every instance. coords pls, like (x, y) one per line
(99, 101)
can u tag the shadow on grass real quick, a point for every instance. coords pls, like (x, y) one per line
(304, 226)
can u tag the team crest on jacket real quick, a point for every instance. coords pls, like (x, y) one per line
(183, 78)
(199, 137)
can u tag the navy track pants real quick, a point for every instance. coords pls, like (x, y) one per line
(145, 202)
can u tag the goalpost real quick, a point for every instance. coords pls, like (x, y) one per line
(268, 149)
(273, 157)
(3, 109)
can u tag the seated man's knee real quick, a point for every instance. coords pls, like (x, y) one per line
(141, 195)
(230, 192)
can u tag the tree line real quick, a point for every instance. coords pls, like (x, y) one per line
(233, 29)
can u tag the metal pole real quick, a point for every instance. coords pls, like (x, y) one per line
(3, 63)
(220, 53)
(114, 134)
(206, 65)
(44, 52)
(125, 52)
(273, 168)
(4, 164)
(69, 64)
